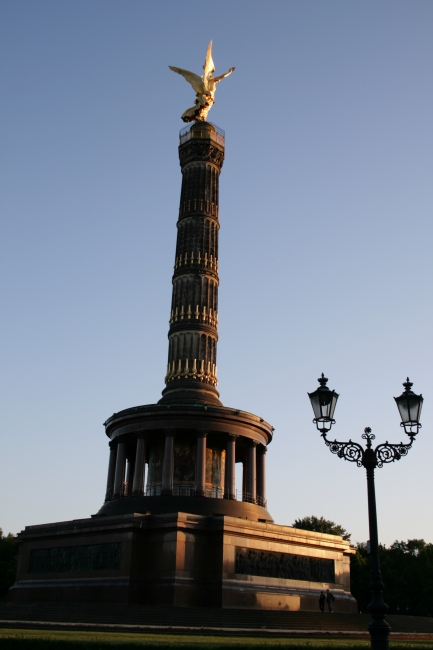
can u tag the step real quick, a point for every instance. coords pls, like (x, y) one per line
(122, 614)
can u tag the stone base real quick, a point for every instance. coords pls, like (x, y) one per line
(196, 505)
(190, 392)
(182, 560)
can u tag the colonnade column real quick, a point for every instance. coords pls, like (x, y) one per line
(120, 470)
(251, 472)
(261, 475)
(168, 465)
(111, 471)
(200, 468)
(230, 476)
(140, 468)
(129, 476)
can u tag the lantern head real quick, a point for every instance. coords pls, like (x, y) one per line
(409, 405)
(323, 402)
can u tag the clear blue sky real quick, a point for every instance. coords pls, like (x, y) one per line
(325, 241)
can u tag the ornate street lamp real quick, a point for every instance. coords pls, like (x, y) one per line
(409, 405)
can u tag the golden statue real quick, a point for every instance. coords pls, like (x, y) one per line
(204, 86)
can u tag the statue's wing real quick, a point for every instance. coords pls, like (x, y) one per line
(209, 66)
(192, 78)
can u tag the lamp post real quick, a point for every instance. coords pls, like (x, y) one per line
(324, 401)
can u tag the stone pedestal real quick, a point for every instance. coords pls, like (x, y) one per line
(182, 560)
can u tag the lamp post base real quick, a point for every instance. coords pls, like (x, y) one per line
(379, 633)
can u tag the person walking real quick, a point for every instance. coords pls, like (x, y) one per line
(322, 599)
(329, 599)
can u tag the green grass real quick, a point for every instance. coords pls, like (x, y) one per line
(14, 639)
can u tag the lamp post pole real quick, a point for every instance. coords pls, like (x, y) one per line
(378, 627)
(409, 405)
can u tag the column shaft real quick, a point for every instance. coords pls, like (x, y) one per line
(251, 474)
(261, 475)
(129, 476)
(230, 478)
(200, 477)
(168, 466)
(244, 479)
(140, 468)
(111, 472)
(120, 470)
(191, 364)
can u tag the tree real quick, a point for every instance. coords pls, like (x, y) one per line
(8, 562)
(321, 525)
(407, 570)
(360, 576)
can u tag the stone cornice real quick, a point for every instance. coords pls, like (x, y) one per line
(218, 419)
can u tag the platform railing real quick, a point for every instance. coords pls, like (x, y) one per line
(188, 490)
(153, 490)
(249, 498)
(218, 135)
(214, 492)
(184, 490)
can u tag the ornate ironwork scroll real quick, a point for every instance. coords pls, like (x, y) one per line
(353, 452)
(270, 564)
(94, 557)
(388, 453)
(350, 451)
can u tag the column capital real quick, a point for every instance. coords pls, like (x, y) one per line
(201, 433)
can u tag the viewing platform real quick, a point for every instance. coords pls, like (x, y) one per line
(204, 130)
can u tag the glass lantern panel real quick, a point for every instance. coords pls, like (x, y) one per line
(403, 407)
(325, 404)
(315, 403)
(414, 405)
(333, 404)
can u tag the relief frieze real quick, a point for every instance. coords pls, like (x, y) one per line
(94, 557)
(269, 564)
